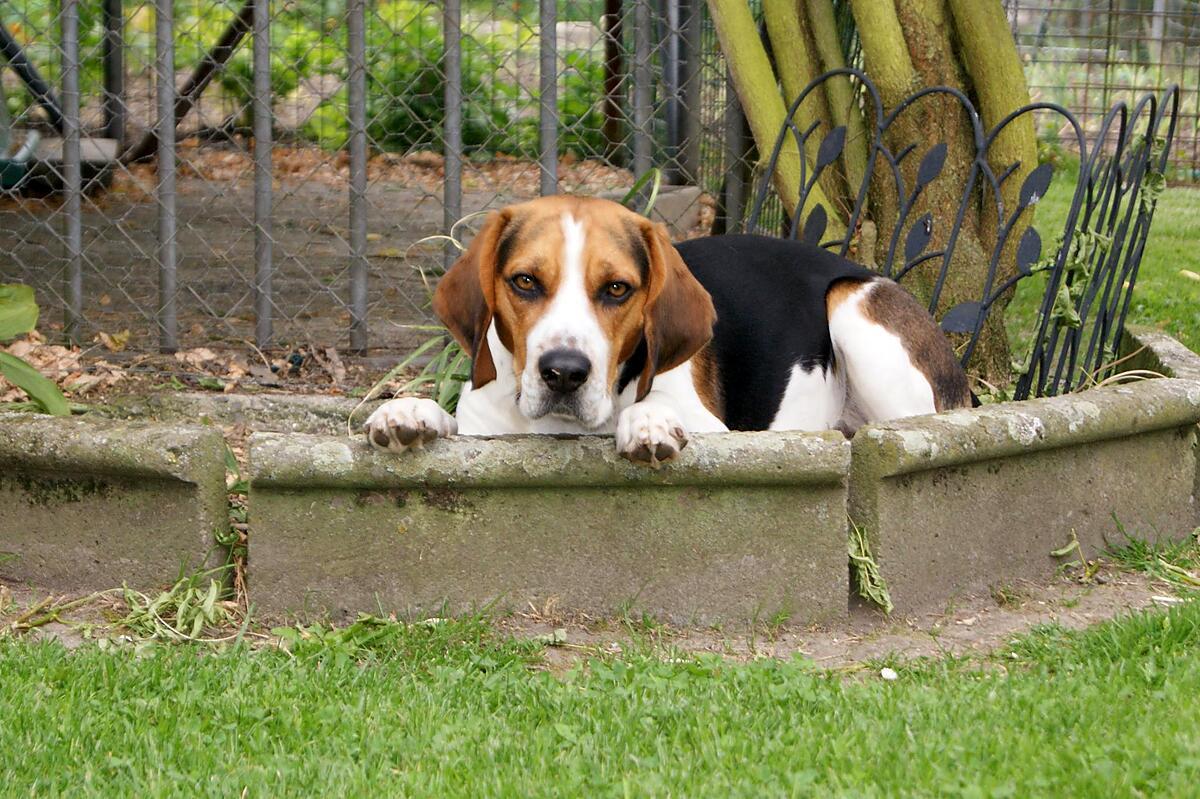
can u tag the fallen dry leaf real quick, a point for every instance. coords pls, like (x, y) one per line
(197, 357)
(114, 342)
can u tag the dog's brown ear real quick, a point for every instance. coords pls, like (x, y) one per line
(465, 296)
(679, 313)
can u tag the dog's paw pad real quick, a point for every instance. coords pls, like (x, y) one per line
(650, 434)
(408, 423)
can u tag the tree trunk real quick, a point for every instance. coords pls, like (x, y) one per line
(843, 107)
(796, 63)
(755, 83)
(906, 45)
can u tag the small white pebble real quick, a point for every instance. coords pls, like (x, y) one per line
(888, 674)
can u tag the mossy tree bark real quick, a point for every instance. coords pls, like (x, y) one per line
(906, 45)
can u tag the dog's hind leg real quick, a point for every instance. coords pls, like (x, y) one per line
(895, 360)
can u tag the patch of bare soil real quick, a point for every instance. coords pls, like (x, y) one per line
(94, 373)
(979, 624)
(973, 625)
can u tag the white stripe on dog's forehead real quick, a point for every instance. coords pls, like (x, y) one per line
(570, 321)
(574, 239)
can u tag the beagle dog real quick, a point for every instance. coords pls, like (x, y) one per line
(582, 317)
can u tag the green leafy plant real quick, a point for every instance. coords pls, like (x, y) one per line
(18, 310)
(18, 316)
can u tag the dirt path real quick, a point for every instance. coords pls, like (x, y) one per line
(976, 624)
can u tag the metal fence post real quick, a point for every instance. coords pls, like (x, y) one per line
(672, 74)
(548, 97)
(735, 151)
(643, 88)
(691, 13)
(72, 177)
(357, 45)
(614, 72)
(452, 134)
(113, 54)
(164, 78)
(262, 173)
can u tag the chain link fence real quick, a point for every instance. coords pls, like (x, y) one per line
(317, 146)
(271, 172)
(1086, 55)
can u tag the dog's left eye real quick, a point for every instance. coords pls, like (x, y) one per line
(616, 290)
(526, 284)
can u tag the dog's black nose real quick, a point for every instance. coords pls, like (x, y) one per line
(564, 370)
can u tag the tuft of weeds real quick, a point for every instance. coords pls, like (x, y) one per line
(374, 638)
(867, 577)
(1087, 568)
(1175, 563)
(235, 539)
(1008, 596)
(197, 608)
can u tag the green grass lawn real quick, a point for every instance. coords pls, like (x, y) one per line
(390, 710)
(1163, 297)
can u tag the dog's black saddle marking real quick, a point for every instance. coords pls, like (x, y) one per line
(769, 295)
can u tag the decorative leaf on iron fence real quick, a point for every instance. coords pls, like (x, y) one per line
(918, 238)
(931, 165)
(961, 318)
(831, 147)
(1035, 185)
(814, 227)
(1029, 251)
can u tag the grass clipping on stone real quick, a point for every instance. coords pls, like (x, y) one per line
(867, 577)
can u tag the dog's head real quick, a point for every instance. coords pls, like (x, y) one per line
(579, 290)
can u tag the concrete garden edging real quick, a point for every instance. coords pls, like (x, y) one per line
(744, 526)
(89, 504)
(962, 500)
(1156, 351)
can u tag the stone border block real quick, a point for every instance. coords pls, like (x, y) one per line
(745, 526)
(88, 504)
(1158, 352)
(962, 500)
(291, 413)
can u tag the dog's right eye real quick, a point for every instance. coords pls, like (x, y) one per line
(525, 284)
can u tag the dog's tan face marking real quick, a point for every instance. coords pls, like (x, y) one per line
(576, 275)
(534, 271)
(571, 277)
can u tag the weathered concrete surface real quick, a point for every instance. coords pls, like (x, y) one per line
(1157, 352)
(291, 413)
(966, 499)
(746, 525)
(90, 504)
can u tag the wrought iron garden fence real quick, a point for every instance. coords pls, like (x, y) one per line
(1088, 273)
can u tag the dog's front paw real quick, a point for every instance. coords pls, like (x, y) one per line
(408, 423)
(650, 434)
